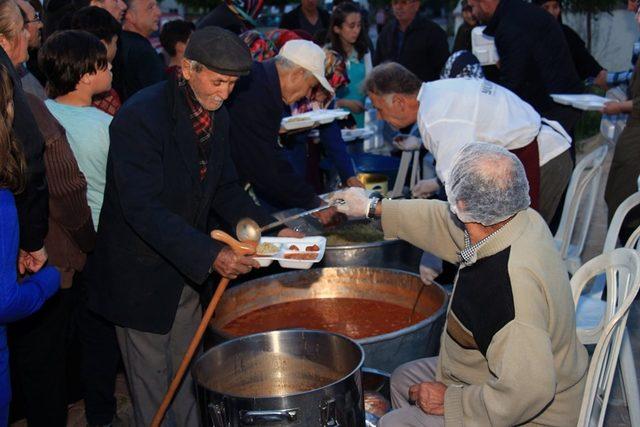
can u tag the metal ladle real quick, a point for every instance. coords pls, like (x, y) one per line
(247, 230)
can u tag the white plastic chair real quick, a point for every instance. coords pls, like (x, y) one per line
(581, 198)
(593, 313)
(622, 268)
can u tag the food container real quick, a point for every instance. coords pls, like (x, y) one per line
(313, 118)
(384, 352)
(286, 252)
(375, 182)
(484, 47)
(283, 378)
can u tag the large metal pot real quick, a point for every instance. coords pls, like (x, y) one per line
(384, 352)
(396, 254)
(285, 378)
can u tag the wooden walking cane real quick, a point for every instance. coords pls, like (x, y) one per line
(239, 249)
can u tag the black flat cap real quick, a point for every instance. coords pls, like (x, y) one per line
(219, 50)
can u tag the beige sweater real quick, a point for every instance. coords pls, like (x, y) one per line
(509, 354)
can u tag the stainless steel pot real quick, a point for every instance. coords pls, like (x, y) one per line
(384, 352)
(284, 378)
(395, 253)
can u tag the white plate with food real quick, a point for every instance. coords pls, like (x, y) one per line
(353, 134)
(312, 118)
(289, 252)
(586, 102)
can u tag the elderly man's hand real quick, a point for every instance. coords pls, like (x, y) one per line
(429, 397)
(230, 265)
(356, 201)
(289, 232)
(330, 216)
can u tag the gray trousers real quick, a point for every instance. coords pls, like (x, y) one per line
(151, 360)
(406, 414)
(554, 179)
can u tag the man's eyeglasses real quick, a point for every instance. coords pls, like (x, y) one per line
(36, 18)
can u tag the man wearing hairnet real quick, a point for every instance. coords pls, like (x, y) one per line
(509, 354)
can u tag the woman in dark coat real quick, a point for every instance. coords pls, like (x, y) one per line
(586, 65)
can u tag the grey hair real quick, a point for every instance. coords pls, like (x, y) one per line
(391, 78)
(195, 66)
(487, 184)
(289, 65)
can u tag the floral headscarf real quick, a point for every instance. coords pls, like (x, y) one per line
(462, 64)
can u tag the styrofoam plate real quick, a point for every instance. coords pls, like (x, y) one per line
(588, 102)
(313, 118)
(285, 243)
(352, 134)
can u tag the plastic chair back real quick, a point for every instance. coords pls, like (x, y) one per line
(581, 198)
(625, 207)
(625, 264)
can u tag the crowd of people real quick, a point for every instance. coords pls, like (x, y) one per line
(117, 161)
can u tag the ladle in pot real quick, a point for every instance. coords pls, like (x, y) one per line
(247, 230)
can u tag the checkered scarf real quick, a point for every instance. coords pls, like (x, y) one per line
(109, 102)
(202, 122)
(469, 255)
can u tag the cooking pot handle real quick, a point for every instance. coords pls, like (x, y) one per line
(250, 418)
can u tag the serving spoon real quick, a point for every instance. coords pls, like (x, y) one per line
(247, 230)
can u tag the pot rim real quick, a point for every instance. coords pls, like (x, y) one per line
(368, 340)
(281, 331)
(363, 245)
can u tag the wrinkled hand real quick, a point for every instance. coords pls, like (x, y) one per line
(354, 182)
(407, 142)
(329, 217)
(288, 232)
(230, 265)
(428, 274)
(356, 201)
(31, 262)
(612, 108)
(425, 188)
(601, 80)
(429, 397)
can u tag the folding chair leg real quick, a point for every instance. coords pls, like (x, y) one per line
(630, 380)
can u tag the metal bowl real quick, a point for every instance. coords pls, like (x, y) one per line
(384, 352)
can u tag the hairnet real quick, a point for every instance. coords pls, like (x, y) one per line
(489, 182)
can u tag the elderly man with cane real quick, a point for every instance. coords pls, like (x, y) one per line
(509, 352)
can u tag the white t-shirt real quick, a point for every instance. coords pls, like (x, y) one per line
(455, 112)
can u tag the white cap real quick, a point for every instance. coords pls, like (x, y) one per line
(309, 56)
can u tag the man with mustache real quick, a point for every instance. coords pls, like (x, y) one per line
(170, 178)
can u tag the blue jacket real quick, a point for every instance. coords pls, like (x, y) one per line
(153, 235)
(256, 109)
(17, 300)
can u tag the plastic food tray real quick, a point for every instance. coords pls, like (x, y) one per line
(285, 243)
(313, 118)
(586, 102)
(353, 134)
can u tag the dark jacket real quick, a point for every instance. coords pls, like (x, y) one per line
(424, 51)
(291, 20)
(256, 109)
(71, 234)
(222, 17)
(534, 57)
(32, 203)
(136, 65)
(586, 65)
(463, 38)
(153, 237)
